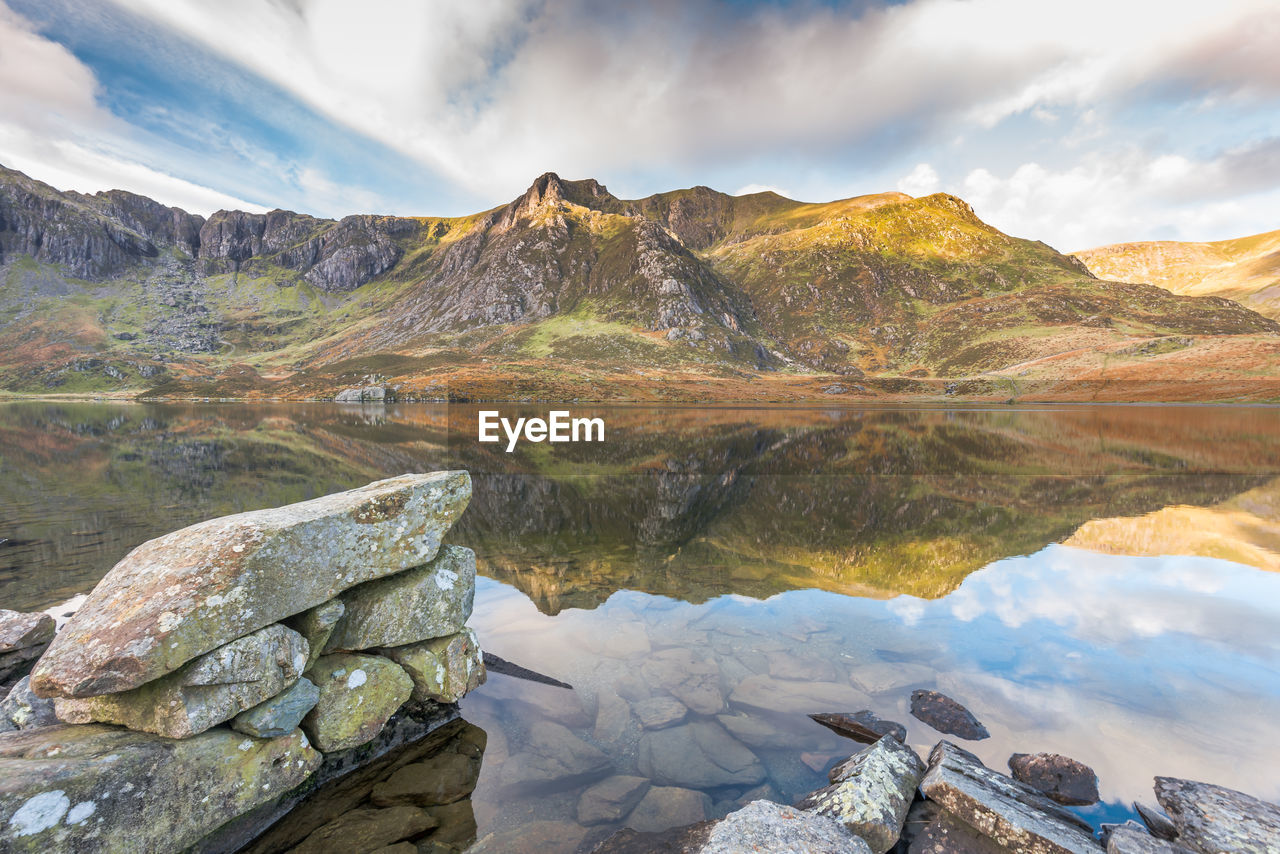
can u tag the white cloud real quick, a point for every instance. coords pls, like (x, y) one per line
(921, 181)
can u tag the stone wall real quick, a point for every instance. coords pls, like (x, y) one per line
(216, 669)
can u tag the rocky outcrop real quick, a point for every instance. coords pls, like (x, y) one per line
(871, 792)
(1216, 819)
(101, 788)
(183, 594)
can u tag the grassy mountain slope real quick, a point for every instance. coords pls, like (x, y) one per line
(1246, 270)
(570, 292)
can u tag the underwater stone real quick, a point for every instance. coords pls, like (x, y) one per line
(181, 595)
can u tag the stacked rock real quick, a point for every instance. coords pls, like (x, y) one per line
(23, 637)
(304, 627)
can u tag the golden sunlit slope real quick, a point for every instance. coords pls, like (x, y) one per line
(1246, 270)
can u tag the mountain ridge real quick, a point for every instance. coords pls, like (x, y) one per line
(564, 290)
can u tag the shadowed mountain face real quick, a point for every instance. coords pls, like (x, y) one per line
(1246, 270)
(683, 502)
(566, 291)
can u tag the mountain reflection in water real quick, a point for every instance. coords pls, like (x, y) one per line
(801, 560)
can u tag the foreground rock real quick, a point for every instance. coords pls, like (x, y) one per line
(861, 726)
(871, 792)
(181, 595)
(1131, 840)
(203, 693)
(1217, 819)
(430, 601)
(24, 710)
(100, 788)
(765, 826)
(443, 669)
(1009, 813)
(1060, 777)
(946, 715)
(358, 693)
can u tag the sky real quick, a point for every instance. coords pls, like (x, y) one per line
(1077, 123)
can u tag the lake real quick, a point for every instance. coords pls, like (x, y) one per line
(1102, 582)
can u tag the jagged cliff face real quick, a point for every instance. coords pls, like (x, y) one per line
(114, 288)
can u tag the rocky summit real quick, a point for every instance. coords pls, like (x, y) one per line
(571, 292)
(222, 713)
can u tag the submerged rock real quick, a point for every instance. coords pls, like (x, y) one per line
(861, 726)
(554, 757)
(663, 807)
(1010, 813)
(316, 625)
(660, 712)
(24, 709)
(946, 715)
(101, 788)
(611, 800)
(281, 714)
(202, 693)
(700, 755)
(1218, 819)
(429, 601)
(367, 830)
(692, 680)
(443, 670)
(871, 792)
(358, 693)
(1060, 777)
(438, 780)
(181, 595)
(766, 826)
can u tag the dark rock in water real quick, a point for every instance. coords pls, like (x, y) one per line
(861, 726)
(1008, 812)
(500, 665)
(766, 826)
(24, 710)
(1130, 838)
(871, 792)
(1158, 824)
(441, 779)
(367, 830)
(947, 834)
(677, 840)
(1218, 819)
(1060, 777)
(611, 800)
(946, 715)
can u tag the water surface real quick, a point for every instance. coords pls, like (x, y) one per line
(1099, 582)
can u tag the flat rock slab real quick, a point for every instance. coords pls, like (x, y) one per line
(1010, 813)
(1060, 777)
(102, 788)
(664, 807)
(202, 693)
(181, 595)
(861, 726)
(660, 712)
(765, 826)
(1218, 819)
(20, 630)
(281, 714)
(554, 758)
(443, 670)
(699, 755)
(358, 693)
(611, 800)
(946, 715)
(871, 792)
(429, 601)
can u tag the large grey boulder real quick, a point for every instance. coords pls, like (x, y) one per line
(444, 669)
(1219, 820)
(202, 693)
(430, 601)
(699, 755)
(1010, 813)
(766, 826)
(281, 714)
(871, 792)
(188, 592)
(358, 693)
(101, 788)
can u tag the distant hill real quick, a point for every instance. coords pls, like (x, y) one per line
(1246, 270)
(570, 292)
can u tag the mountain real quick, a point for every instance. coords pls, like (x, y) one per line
(570, 292)
(1246, 270)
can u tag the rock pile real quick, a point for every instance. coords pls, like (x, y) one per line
(233, 651)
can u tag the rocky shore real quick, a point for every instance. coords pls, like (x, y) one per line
(217, 674)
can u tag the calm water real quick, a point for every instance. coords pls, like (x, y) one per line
(1100, 582)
